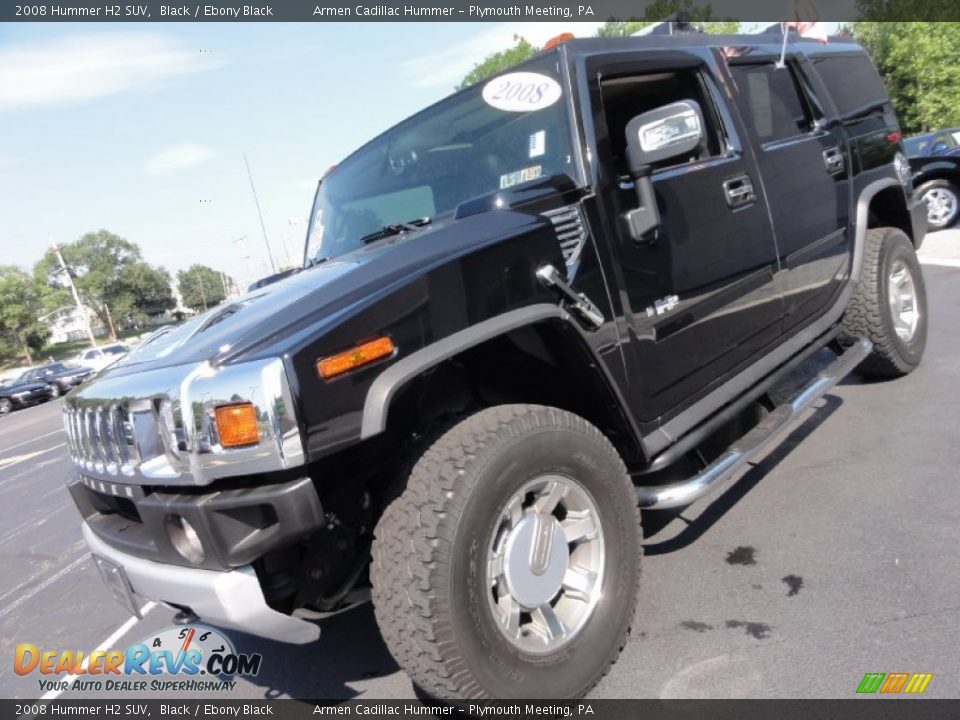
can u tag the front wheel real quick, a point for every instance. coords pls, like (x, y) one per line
(6, 406)
(509, 565)
(889, 306)
(943, 203)
(54, 391)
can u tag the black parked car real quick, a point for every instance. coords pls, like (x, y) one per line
(61, 376)
(20, 393)
(571, 290)
(941, 142)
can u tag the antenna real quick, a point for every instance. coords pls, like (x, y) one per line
(263, 227)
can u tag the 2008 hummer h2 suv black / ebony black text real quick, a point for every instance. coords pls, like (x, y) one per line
(524, 313)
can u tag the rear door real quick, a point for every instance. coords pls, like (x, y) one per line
(698, 293)
(804, 169)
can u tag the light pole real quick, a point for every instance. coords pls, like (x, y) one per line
(73, 291)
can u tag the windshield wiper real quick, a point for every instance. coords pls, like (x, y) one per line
(395, 229)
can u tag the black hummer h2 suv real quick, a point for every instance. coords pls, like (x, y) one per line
(523, 312)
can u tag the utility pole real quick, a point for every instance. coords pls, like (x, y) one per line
(273, 267)
(73, 291)
(245, 254)
(203, 295)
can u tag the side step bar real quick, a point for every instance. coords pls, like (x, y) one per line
(683, 493)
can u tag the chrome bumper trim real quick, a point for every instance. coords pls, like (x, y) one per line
(230, 599)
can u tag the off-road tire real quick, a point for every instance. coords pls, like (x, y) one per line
(946, 186)
(868, 313)
(428, 569)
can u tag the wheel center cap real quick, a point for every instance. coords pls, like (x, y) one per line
(535, 559)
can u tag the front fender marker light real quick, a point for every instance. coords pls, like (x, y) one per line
(237, 425)
(355, 357)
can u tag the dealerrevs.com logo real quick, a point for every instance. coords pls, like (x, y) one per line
(894, 683)
(178, 658)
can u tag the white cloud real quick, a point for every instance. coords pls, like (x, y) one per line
(447, 66)
(81, 67)
(175, 158)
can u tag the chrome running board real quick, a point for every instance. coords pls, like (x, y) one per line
(684, 492)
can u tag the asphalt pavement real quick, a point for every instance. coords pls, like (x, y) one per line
(833, 556)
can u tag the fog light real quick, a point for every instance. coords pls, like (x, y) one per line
(185, 539)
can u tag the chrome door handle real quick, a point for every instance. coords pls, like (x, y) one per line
(739, 191)
(833, 160)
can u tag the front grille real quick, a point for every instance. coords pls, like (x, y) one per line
(571, 231)
(103, 439)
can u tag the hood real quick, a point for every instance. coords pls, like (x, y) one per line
(259, 323)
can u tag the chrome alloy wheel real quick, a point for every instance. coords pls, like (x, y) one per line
(942, 206)
(545, 563)
(902, 295)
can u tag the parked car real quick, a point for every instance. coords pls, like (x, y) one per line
(100, 357)
(941, 142)
(525, 311)
(62, 376)
(937, 180)
(20, 393)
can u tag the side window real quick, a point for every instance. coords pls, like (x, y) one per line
(625, 97)
(774, 103)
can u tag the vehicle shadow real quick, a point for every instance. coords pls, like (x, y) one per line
(350, 649)
(655, 521)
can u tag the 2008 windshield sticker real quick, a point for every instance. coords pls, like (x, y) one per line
(521, 92)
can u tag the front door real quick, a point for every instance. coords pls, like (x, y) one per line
(698, 293)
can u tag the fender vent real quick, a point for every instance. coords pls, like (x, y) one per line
(571, 232)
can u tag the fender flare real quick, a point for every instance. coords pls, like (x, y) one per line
(381, 392)
(863, 220)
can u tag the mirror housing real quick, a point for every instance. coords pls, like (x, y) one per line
(666, 132)
(670, 131)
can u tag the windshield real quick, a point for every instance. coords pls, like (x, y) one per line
(916, 145)
(458, 149)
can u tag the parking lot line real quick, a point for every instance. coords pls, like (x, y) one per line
(104, 646)
(31, 440)
(42, 586)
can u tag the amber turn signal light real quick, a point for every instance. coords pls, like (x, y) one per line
(237, 425)
(355, 357)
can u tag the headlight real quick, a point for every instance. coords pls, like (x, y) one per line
(904, 173)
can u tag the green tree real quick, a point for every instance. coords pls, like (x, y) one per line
(920, 64)
(201, 287)
(111, 278)
(499, 61)
(20, 306)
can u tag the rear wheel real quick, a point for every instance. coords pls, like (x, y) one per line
(54, 391)
(943, 203)
(509, 565)
(889, 306)
(6, 406)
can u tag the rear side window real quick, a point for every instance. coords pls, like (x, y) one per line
(852, 81)
(774, 103)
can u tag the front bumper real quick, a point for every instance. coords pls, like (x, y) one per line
(231, 599)
(234, 527)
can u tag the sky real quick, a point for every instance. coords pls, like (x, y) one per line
(141, 129)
